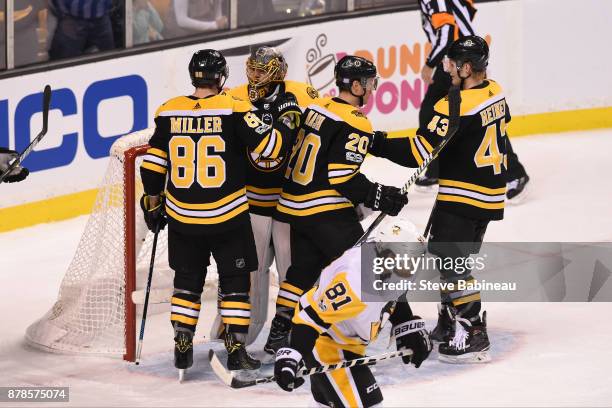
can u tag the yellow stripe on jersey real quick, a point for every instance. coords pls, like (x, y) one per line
(472, 98)
(157, 152)
(470, 186)
(415, 152)
(338, 173)
(470, 201)
(186, 303)
(221, 103)
(310, 196)
(207, 221)
(313, 210)
(236, 320)
(154, 167)
(208, 206)
(339, 166)
(235, 305)
(339, 111)
(259, 190)
(183, 319)
(263, 197)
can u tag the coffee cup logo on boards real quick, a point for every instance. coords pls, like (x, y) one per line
(320, 68)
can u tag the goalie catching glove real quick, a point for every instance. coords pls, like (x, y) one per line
(413, 335)
(286, 367)
(153, 214)
(386, 199)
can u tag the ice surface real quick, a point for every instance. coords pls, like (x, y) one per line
(543, 353)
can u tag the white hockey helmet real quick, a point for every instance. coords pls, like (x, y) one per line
(399, 236)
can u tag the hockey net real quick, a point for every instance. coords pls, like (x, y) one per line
(101, 294)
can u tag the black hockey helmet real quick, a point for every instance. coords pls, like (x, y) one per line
(472, 49)
(208, 67)
(351, 68)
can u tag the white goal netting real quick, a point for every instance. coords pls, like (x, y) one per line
(89, 315)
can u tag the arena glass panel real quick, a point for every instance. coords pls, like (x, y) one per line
(257, 12)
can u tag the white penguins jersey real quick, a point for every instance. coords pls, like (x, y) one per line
(334, 307)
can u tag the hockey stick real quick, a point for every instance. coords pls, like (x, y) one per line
(229, 378)
(45, 111)
(146, 302)
(454, 105)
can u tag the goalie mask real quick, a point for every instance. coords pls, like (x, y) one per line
(264, 67)
(398, 236)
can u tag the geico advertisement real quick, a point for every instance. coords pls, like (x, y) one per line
(94, 104)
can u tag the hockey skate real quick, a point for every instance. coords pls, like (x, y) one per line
(444, 330)
(470, 343)
(183, 352)
(279, 335)
(237, 356)
(516, 191)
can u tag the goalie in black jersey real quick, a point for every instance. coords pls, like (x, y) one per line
(198, 146)
(472, 190)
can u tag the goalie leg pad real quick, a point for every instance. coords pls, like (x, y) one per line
(260, 280)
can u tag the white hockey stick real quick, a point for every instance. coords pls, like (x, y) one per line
(230, 379)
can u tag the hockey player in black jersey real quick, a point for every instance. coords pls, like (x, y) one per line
(194, 172)
(443, 22)
(324, 185)
(471, 193)
(266, 69)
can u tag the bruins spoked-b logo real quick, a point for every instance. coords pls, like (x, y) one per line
(260, 163)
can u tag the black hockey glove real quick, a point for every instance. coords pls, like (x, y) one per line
(154, 215)
(413, 335)
(288, 362)
(386, 199)
(377, 141)
(19, 173)
(286, 109)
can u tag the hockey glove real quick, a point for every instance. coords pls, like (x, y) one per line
(412, 335)
(386, 199)
(286, 109)
(286, 367)
(19, 173)
(377, 141)
(155, 215)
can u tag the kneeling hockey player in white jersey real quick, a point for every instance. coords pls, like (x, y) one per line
(332, 323)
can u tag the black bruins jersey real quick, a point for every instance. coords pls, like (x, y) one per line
(265, 175)
(472, 166)
(199, 144)
(322, 176)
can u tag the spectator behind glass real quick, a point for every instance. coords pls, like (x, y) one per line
(188, 17)
(147, 25)
(30, 31)
(82, 25)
